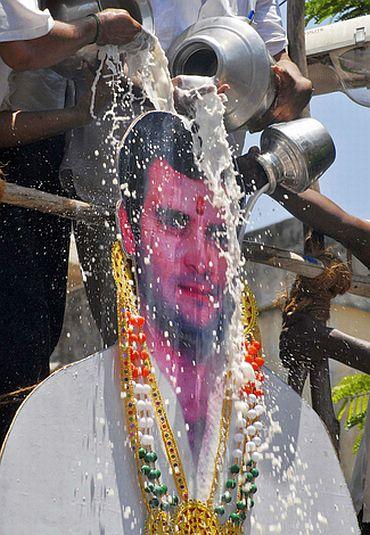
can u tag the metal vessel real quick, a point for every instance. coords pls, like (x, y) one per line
(295, 154)
(231, 51)
(69, 10)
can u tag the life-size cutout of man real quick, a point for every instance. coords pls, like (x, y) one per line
(176, 456)
(180, 239)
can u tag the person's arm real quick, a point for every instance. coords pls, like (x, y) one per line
(293, 89)
(116, 27)
(312, 208)
(326, 217)
(293, 93)
(22, 127)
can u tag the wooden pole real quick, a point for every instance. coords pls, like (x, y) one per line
(297, 263)
(319, 375)
(52, 204)
(296, 38)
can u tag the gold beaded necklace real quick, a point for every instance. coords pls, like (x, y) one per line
(178, 514)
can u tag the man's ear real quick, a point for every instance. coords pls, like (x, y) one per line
(128, 239)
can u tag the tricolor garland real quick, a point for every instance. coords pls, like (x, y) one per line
(170, 513)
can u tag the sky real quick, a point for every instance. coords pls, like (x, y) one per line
(347, 182)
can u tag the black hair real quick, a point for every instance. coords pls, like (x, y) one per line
(154, 135)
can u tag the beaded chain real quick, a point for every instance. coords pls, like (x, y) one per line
(170, 513)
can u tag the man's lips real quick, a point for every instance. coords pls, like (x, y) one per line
(196, 291)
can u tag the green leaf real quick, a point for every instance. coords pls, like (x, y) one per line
(319, 10)
(356, 445)
(364, 400)
(350, 410)
(351, 386)
(342, 410)
(353, 392)
(357, 419)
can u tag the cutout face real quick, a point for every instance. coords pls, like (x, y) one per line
(181, 238)
(176, 237)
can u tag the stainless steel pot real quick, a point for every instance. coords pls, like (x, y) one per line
(230, 50)
(296, 154)
(68, 10)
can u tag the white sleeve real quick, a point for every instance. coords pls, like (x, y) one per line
(22, 19)
(268, 23)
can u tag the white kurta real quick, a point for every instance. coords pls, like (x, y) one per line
(67, 466)
(20, 20)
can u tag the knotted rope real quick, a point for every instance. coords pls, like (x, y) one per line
(313, 296)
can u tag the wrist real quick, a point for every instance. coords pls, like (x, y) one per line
(84, 30)
(94, 17)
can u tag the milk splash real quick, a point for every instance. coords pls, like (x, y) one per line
(144, 58)
(213, 156)
(140, 64)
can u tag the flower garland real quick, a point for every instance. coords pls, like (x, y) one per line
(170, 513)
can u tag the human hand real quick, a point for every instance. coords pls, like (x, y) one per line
(253, 175)
(294, 91)
(293, 94)
(188, 89)
(117, 27)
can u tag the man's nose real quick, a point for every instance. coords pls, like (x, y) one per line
(196, 255)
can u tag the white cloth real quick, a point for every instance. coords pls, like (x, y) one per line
(20, 20)
(37, 90)
(360, 481)
(172, 17)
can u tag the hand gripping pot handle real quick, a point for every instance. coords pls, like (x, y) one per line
(68, 10)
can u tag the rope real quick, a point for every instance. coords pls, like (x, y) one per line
(313, 296)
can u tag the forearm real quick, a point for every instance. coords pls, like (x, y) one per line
(351, 351)
(21, 127)
(323, 215)
(61, 42)
(304, 341)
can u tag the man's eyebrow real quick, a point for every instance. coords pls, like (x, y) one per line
(165, 214)
(167, 211)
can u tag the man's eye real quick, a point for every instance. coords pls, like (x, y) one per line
(172, 219)
(219, 236)
(177, 221)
